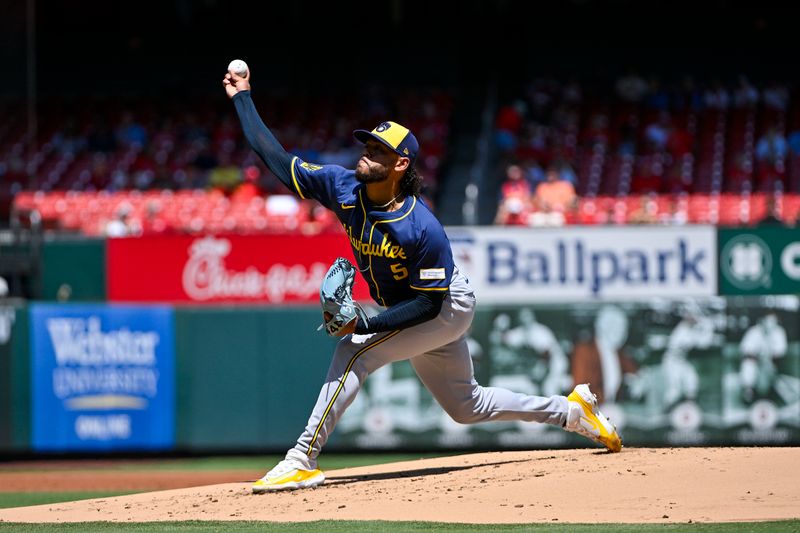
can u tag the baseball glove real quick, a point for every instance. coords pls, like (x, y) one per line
(336, 297)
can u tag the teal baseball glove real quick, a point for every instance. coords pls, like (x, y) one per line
(336, 297)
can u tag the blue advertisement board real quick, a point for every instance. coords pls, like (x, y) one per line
(103, 377)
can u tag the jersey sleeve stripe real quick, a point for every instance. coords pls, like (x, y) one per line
(430, 288)
(294, 178)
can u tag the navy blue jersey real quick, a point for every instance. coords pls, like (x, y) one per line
(398, 252)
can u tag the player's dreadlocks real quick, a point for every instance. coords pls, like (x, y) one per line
(411, 182)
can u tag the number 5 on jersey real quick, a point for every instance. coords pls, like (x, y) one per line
(400, 272)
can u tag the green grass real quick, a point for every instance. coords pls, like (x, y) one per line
(400, 527)
(22, 499)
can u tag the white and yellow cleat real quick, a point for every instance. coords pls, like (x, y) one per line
(586, 419)
(288, 475)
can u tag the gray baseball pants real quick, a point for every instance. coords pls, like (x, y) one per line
(437, 350)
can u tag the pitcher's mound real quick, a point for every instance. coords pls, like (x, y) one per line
(586, 486)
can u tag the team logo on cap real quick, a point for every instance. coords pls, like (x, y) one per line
(383, 127)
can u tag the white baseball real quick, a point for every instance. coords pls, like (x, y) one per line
(238, 67)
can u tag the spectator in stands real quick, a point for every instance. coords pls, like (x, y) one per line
(554, 194)
(688, 96)
(676, 215)
(771, 147)
(646, 213)
(130, 133)
(515, 185)
(226, 177)
(717, 97)
(656, 133)
(746, 95)
(534, 173)
(512, 212)
(122, 225)
(614, 214)
(566, 171)
(154, 223)
(793, 141)
(772, 218)
(771, 151)
(776, 96)
(508, 125)
(631, 88)
(515, 202)
(248, 188)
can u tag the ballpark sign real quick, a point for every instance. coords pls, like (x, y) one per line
(271, 269)
(759, 261)
(519, 265)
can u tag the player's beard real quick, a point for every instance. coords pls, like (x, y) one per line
(374, 175)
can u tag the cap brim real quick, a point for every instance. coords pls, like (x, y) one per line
(363, 136)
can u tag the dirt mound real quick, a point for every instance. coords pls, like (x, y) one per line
(637, 485)
(94, 480)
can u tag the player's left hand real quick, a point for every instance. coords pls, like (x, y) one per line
(234, 83)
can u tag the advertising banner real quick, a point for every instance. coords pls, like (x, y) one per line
(260, 269)
(763, 260)
(521, 265)
(708, 371)
(102, 377)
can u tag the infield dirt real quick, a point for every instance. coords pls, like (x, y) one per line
(639, 485)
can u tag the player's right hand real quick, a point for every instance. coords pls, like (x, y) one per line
(234, 83)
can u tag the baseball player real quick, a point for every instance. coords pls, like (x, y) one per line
(404, 256)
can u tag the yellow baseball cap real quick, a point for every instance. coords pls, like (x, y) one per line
(395, 136)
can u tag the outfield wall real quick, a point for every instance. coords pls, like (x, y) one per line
(674, 372)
